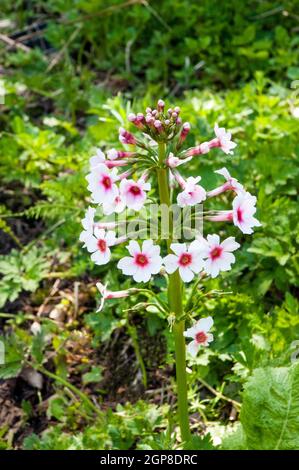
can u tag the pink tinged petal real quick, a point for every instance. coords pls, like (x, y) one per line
(204, 324)
(229, 244)
(178, 248)
(142, 275)
(211, 268)
(224, 172)
(192, 348)
(186, 274)
(197, 263)
(195, 247)
(170, 263)
(110, 238)
(127, 266)
(191, 332)
(99, 233)
(101, 257)
(91, 243)
(149, 248)
(156, 264)
(133, 248)
(213, 239)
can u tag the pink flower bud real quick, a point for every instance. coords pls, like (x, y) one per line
(149, 119)
(174, 115)
(126, 137)
(161, 105)
(148, 110)
(131, 117)
(179, 121)
(185, 131)
(169, 111)
(158, 125)
(155, 112)
(177, 109)
(140, 117)
(167, 122)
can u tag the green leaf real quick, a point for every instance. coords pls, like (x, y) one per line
(270, 410)
(95, 375)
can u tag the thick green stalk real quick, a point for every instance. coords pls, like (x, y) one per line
(175, 304)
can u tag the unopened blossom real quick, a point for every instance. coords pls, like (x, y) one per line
(114, 154)
(200, 334)
(223, 140)
(126, 137)
(143, 262)
(187, 260)
(108, 294)
(217, 256)
(192, 192)
(98, 244)
(102, 183)
(88, 224)
(231, 184)
(173, 162)
(184, 132)
(243, 212)
(134, 192)
(201, 149)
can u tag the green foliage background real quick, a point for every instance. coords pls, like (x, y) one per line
(87, 65)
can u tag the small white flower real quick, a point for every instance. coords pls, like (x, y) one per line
(98, 244)
(218, 256)
(102, 184)
(192, 194)
(200, 334)
(187, 260)
(224, 139)
(243, 211)
(143, 262)
(133, 193)
(88, 225)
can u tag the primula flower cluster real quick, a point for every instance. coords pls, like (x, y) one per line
(121, 179)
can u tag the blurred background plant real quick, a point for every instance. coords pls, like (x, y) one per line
(70, 73)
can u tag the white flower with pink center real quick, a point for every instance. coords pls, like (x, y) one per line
(98, 244)
(187, 260)
(88, 224)
(243, 211)
(134, 193)
(102, 184)
(143, 262)
(217, 256)
(192, 194)
(200, 334)
(223, 140)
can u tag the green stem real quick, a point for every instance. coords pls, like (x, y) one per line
(133, 334)
(175, 304)
(71, 387)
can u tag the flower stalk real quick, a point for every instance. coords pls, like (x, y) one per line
(175, 306)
